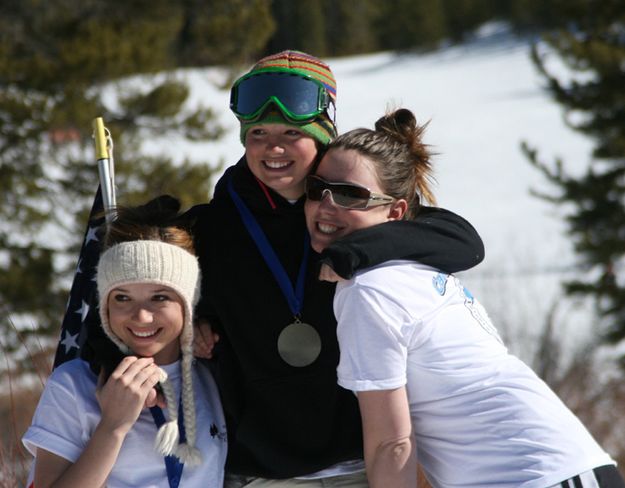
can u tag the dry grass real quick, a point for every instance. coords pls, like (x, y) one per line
(21, 384)
(597, 404)
(15, 414)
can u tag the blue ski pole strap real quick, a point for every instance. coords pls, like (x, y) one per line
(172, 464)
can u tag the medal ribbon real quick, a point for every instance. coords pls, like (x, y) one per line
(295, 298)
(172, 463)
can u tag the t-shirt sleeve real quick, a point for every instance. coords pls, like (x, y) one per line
(374, 334)
(56, 425)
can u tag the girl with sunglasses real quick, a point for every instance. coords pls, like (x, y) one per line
(275, 362)
(433, 379)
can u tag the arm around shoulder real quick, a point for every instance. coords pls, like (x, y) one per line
(436, 237)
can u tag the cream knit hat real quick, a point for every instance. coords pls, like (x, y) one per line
(150, 261)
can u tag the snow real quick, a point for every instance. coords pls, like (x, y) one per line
(482, 98)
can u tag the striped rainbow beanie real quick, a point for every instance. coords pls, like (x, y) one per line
(321, 128)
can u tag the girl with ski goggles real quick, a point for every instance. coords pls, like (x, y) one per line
(300, 98)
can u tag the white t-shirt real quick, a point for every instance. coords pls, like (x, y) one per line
(480, 415)
(68, 413)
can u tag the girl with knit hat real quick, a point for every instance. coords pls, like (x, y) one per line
(90, 431)
(433, 378)
(289, 423)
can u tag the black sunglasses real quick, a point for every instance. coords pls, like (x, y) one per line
(346, 195)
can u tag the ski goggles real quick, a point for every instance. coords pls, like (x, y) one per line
(299, 98)
(346, 195)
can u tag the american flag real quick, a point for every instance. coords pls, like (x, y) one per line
(82, 302)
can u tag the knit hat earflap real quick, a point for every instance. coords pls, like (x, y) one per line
(149, 261)
(322, 128)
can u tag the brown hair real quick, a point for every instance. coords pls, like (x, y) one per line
(157, 220)
(400, 158)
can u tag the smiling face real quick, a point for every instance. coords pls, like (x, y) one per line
(328, 222)
(148, 318)
(280, 156)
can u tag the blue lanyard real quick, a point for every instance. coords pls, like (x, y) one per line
(172, 463)
(295, 298)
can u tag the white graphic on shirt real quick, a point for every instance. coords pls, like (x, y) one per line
(478, 311)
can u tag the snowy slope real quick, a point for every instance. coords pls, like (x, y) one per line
(482, 99)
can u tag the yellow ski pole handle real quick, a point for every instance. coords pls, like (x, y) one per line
(99, 133)
(105, 169)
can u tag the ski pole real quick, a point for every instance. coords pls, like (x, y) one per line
(106, 168)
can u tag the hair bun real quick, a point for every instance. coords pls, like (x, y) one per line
(400, 125)
(404, 118)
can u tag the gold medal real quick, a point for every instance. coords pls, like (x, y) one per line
(299, 344)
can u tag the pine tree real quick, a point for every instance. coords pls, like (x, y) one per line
(591, 43)
(300, 25)
(62, 63)
(406, 24)
(223, 32)
(464, 16)
(349, 26)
